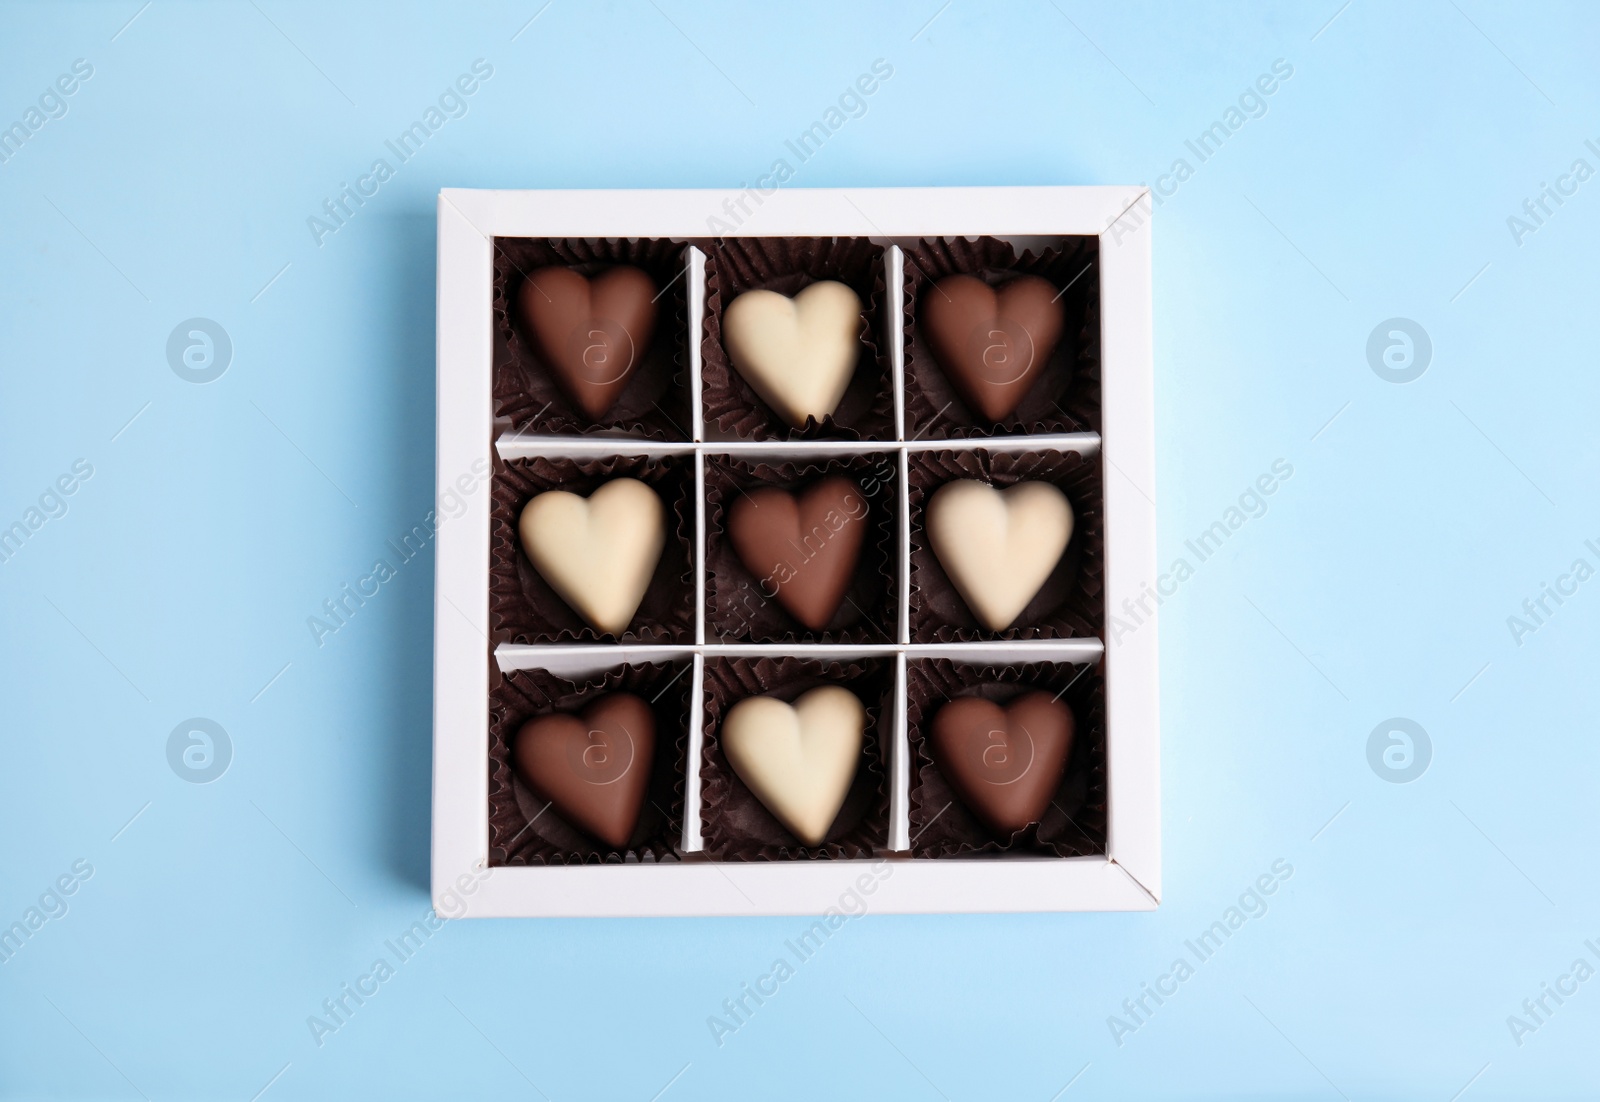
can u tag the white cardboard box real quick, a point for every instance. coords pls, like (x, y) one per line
(1126, 877)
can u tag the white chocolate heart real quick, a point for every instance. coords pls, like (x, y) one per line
(797, 353)
(598, 553)
(998, 547)
(800, 758)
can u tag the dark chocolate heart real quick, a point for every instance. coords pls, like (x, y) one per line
(590, 333)
(1004, 763)
(992, 343)
(594, 767)
(803, 550)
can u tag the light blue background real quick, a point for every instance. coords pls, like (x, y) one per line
(1377, 584)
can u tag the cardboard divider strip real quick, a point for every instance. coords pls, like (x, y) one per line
(900, 766)
(692, 842)
(697, 315)
(894, 261)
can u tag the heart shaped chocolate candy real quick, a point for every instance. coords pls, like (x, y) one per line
(594, 766)
(797, 354)
(590, 333)
(992, 343)
(1004, 762)
(800, 758)
(598, 554)
(802, 548)
(998, 547)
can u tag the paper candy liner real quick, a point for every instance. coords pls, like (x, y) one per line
(655, 403)
(736, 608)
(1065, 396)
(523, 830)
(1070, 605)
(734, 824)
(522, 606)
(1074, 825)
(787, 265)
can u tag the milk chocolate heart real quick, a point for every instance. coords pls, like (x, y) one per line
(998, 547)
(797, 353)
(598, 554)
(593, 767)
(992, 343)
(1004, 763)
(802, 549)
(800, 758)
(590, 333)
